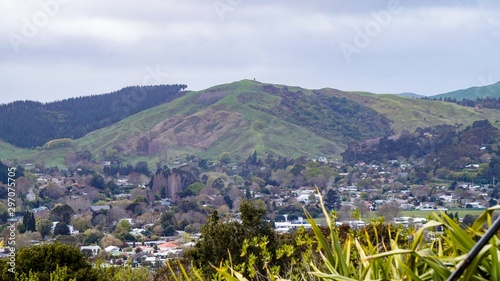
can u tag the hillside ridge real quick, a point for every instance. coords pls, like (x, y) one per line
(247, 116)
(472, 93)
(75, 117)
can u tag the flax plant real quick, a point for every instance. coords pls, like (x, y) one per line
(434, 252)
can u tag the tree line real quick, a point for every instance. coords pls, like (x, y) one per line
(440, 147)
(328, 116)
(75, 117)
(486, 102)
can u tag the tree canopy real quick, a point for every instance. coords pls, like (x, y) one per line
(62, 213)
(75, 117)
(223, 238)
(40, 261)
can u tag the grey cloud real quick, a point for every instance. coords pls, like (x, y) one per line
(91, 47)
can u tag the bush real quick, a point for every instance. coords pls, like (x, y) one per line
(61, 229)
(58, 143)
(40, 261)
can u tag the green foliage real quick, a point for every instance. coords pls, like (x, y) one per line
(56, 260)
(98, 182)
(493, 168)
(4, 175)
(377, 252)
(196, 187)
(111, 155)
(225, 157)
(445, 150)
(218, 183)
(492, 91)
(123, 273)
(228, 201)
(122, 229)
(57, 143)
(82, 224)
(44, 226)
(332, 200)
(167, 225)
(297, 169)
(62, 213)
(327, 115)
(61, 229)
(252, 159)
(258, 130)
(29, 221)
(142, 168)
(99, 272)
(76, 117)
(212, 251)
(92, 237)
(60, 274)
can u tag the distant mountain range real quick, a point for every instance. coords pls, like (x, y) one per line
(492, 91)
(472, 93)
(411, 95)
(239, 118)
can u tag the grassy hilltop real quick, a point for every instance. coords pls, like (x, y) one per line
(247, 116)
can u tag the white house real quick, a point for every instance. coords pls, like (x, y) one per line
(40, 209)
(110, 249)
(475, 205)
(93, 249)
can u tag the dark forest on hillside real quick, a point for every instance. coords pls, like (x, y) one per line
(441, 149)
(327, 116)
(30, 124)
(487, 102)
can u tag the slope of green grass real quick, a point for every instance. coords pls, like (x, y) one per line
(409, 113)
(266, 133)
(263, 133)
(20, 156)
(10, 152)
(257, 129)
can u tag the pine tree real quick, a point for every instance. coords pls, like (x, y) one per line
(163, 192)
(32, 222)
(29, 221)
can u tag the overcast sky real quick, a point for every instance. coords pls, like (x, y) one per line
(56, 49)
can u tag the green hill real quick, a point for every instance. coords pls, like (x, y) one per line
(239, 118)
(75, 117)
(247, 116)
(408, 113)
(492, 91)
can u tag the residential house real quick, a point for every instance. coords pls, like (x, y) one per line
(97, 209)
(167, 246)
(94, 250)
(110, 249)
(40, 209)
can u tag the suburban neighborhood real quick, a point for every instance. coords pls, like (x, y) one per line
(133, 220)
